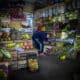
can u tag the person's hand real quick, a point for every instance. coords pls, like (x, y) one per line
(48, 36)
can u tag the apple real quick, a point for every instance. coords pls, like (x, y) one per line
(30, 47)
(25, 43)
(23, 47)
(27, 47)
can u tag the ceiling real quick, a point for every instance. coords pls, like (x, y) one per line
(20, 3)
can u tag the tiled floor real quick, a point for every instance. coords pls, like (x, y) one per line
(50, 69)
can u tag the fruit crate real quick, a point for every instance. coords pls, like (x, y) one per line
(32, 62)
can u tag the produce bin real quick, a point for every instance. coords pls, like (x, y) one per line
(32, 62)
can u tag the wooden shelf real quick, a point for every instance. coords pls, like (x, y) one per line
(19, 41)
(28, 51)
(4, 42)
(15, 41)
(6, 63)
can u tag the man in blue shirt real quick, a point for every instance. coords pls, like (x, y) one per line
(38, 39)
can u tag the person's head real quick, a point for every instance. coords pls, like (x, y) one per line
(41, 28)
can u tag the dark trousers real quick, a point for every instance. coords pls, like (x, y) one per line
(38, 44)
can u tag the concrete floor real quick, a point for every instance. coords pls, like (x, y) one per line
(51, 69)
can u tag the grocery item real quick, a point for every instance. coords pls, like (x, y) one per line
(15, 24)
(63, 57)
(64, 35)
(59, 44)
(26, 36)
(32, 62)
(5, 53)
(10, 45)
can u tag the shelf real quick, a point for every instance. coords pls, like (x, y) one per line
(14, 60)
(18, 60)
(15, 41)
(48, 22)
(25, 51)
(65, 40)
(49, 30)
(19, 41)
(6, 63)
(4, 42)
(28, 51)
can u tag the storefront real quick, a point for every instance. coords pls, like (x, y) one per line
(20, 20)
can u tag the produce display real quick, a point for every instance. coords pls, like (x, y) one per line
(15, 24)
(14, 34)
(64, 48)
(50, 15)
(26, 37)
(27, 46)
(5, 36)
(65, 44)
(15, 37)
(10, 45)
(63, 25)
(60, 18)
(16, 13)
(48, 27)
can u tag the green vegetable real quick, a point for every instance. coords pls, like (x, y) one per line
(5, 53)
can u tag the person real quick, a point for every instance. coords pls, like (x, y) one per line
(38, 38)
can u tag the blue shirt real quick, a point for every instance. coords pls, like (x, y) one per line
(40, 35)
